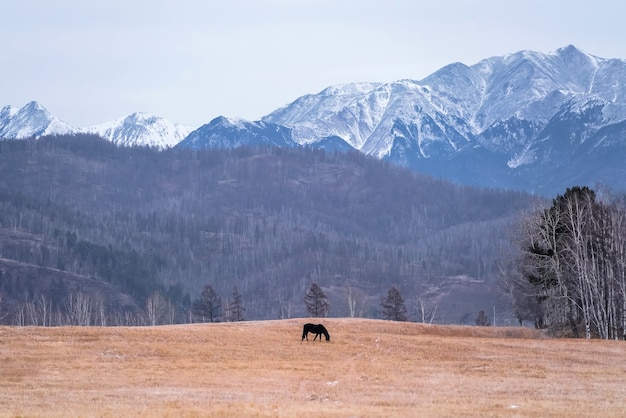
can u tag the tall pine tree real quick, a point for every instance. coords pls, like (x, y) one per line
(393, 306)
(208, 307)
(317, 304)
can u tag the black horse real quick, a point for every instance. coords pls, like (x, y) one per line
(318, 330)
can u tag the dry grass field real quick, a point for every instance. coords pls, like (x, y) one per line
(369, 368)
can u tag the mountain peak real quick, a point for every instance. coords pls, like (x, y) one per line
(33, 105)
(31, 120)
(505, 106)
(142, 129)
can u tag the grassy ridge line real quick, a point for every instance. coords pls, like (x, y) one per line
(261, 368)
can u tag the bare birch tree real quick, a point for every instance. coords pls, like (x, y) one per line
(355, 302)
(156, 309)
(573, 254)
(78, 309)
(427, 313)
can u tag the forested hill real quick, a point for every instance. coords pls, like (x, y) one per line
(93, 217)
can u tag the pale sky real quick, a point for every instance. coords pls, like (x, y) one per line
(90, 62)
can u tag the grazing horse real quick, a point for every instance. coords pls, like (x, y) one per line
(318, 330)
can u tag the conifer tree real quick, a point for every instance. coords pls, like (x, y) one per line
(236, 309)
(208, 306)
(317, 304)
(393, 306)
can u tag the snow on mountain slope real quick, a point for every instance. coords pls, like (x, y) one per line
(138, 129)
(519, 117)
(32, 120)
(141, 129)
(457, 104)
(527, 120)
(224, 132)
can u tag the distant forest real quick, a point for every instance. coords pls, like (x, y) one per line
(135, 234)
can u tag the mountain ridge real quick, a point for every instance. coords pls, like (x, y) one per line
(141, 129)
(522, 116)
(136, 129)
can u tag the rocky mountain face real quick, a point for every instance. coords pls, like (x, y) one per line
(535, 121)
(539, 122)
(527, 120)
(224, 132)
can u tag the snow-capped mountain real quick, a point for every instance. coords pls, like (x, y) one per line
(137, 129)
(529, 120)
(224, 132)
(526, 120)
(141, 129)
(32, 120)
(460, 104)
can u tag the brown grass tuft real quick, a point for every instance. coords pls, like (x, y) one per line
(370, 368)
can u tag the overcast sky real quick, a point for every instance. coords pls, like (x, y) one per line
(90, 62)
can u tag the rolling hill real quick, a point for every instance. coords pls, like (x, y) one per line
(268, 220)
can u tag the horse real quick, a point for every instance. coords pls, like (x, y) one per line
(318, 330)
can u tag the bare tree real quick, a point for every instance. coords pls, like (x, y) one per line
(236, 309)
(317, 304)
(2, 313)
(78, 309)
(38, 311)
(100, 313)
(354, 300)
(573, 255)
(20, 316)
(156, 309)
(426, 313)
(284, 306)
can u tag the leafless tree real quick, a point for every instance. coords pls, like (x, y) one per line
(3, 314)
(355, 302)
(284, 306)
(573, 255)
(100, 313)
(156, 309)
(426, 313)
(78, 309)
(38, 311)
(235, 308)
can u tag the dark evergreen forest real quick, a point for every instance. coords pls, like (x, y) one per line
(127, 233)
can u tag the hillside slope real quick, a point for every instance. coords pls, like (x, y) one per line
(270, 221)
